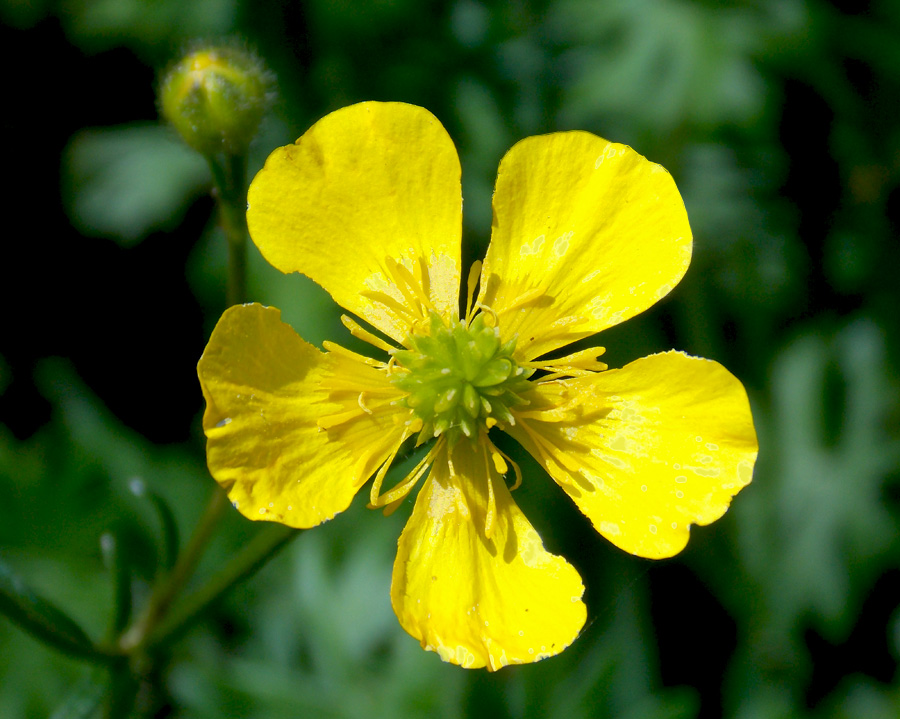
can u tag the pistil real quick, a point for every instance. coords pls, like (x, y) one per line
(460, 378)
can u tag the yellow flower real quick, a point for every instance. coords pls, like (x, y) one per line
(586, 234)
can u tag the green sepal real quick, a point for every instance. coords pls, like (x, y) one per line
(215, 97)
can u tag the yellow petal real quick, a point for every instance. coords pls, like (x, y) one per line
(477, 601)
(647, 450)
(265, 391)
(365, 187)
(586, 234)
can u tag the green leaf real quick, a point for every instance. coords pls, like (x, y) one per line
(40, 618)
(168, 525)
(84, 700)
(126, 182)
(117, 561)
(816, 529)
(103, 24)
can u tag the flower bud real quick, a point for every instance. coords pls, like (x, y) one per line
(215, 97)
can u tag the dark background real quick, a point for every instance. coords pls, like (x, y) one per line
(778, 120)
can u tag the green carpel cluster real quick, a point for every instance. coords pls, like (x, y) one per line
(460, 378)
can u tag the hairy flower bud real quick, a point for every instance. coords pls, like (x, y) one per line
(215, 97)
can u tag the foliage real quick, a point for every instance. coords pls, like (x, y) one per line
(778, 121)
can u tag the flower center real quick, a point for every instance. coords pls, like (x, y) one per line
(460, 378)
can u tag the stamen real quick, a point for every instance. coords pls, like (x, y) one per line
(490, 312)
(405, 485)
(562, 373)
(402, 285)
(416, 284)
(361, 470)
(577, 364)
(336, 382)
(585, 359)
(389, 302)
(523, 299)
(338, 349)
(365, 335)
(491, 512)
(408, 286)
(564, 460)
(382, 471)
(560, 327)
(360, 400)
(474, 274)
(338, 418)
(499, 463)
(518, 472)
(389, 509)
(555, 414)
(422, 275)
(501, 457)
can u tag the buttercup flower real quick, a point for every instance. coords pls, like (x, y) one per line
(586, 234)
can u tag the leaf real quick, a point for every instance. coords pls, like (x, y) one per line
(96, 25)
(115, 554)
(125, 182)
(168, 525)
(695, 62)
(816, 531)
(40, 618)
(83, 701)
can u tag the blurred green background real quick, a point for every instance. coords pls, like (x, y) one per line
(778, 120)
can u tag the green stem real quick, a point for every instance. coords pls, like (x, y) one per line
(120, 568)
(252, 557)
(229, 176)
(165, 593)
(237, 262)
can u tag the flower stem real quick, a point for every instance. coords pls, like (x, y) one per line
(165, 593)
(229, 175)
(265, 545)
(229, 178)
